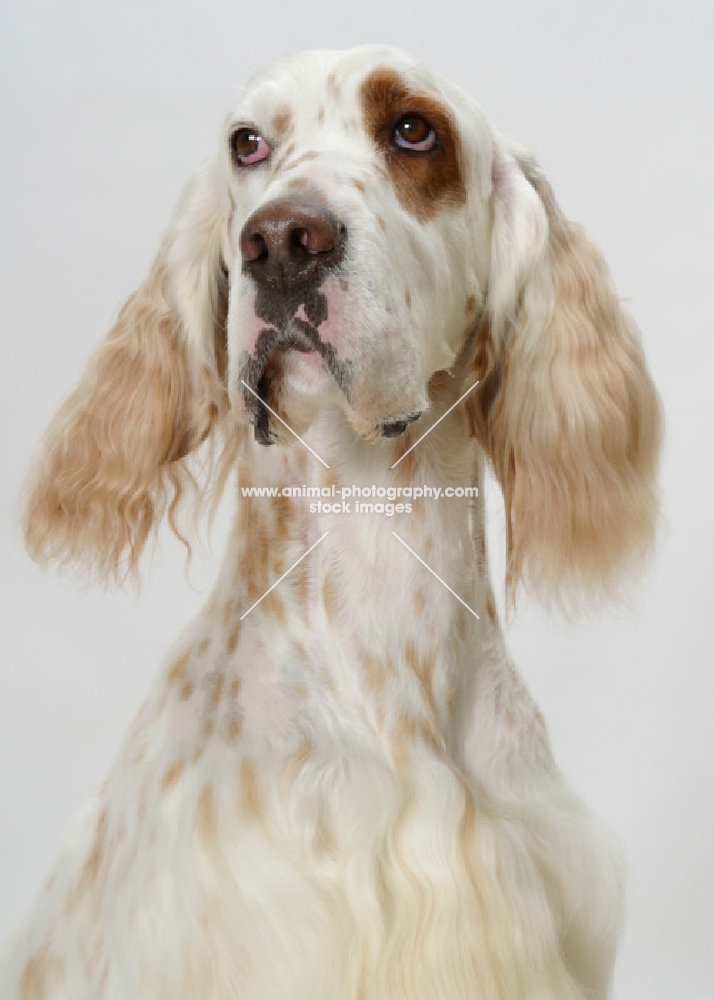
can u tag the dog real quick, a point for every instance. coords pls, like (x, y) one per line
(339, 786)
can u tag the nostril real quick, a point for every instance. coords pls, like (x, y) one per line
(315, 237)
(301, 238)
(254, 247)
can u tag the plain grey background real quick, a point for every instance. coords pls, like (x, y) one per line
(105, 110)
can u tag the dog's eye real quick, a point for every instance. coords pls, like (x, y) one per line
(248, 146)
(415, 133)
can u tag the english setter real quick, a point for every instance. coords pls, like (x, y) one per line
(339, 787)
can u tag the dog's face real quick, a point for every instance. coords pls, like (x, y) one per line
(357, 246)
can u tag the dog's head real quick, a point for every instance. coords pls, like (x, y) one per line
(360, 228)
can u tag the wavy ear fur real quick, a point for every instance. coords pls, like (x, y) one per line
(115, 456)
(566, 409)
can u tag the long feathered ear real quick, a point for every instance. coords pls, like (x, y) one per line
(115, 456)
(566, 409)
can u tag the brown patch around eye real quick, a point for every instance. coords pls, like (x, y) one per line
(282, 122)
(426, 181)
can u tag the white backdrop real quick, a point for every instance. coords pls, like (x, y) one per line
(105, 109)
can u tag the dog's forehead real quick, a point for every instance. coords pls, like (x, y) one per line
(328, 79)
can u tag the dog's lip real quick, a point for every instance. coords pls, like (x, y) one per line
(395, 428)
(260, 378)
(294, 341)
(271, 352)
(296, 346)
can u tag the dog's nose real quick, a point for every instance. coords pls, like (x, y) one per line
(290, 242)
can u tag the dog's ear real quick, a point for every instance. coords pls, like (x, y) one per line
(115, 455)
(565, 409)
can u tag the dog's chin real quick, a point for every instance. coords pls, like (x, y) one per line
(305, 374)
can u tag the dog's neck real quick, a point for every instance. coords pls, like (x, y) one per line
(388, 605)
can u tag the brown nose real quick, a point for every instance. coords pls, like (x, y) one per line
(290, 242)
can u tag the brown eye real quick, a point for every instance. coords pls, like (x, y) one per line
(248, 146)
(415, 133)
